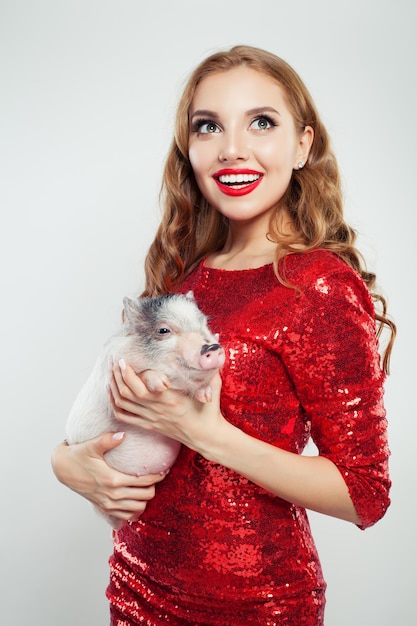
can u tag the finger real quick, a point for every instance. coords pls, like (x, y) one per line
(133, 497)
(125, 369)
(121, 397)
(124, 492)
(129, 498)
(117, 485)
(133, 412)
(102, 444)
(119, 387)
(129, 383)
(131, 513)
(125, 499)
(127, 412)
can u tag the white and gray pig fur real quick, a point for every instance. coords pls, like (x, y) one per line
(168, 334)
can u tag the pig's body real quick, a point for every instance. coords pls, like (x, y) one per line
(168, 334)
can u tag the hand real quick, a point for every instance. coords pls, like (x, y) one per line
(195, 424)
(82, 468)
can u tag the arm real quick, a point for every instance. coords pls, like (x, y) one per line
(335, 368)
(331, 356)
(313, 483)
(82, 468)
(310, 482)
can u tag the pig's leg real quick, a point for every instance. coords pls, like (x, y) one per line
(204, 394)
(155, 381)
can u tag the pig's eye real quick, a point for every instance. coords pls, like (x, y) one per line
(163, 331)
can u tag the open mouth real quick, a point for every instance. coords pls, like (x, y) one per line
(237, 183)
(238, 179)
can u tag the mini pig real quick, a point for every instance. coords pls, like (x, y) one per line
(169, 335)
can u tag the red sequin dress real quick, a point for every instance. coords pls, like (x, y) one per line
(214, 549)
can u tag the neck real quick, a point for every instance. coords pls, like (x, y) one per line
(243, 250)
(247, 246)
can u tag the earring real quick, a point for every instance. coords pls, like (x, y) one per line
(300, 165)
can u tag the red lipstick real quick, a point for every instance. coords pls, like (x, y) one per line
(237, 182)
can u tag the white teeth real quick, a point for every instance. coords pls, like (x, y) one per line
(229, 179)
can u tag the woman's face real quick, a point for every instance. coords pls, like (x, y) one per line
(243, 143)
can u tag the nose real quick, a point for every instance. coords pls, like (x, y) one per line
(233, 147)
(212, 347)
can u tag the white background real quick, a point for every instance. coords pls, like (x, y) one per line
(88, 94)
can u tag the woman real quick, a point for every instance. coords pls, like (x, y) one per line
(253, 224)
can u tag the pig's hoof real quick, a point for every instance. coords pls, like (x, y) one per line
(204, 395)
(155, 381)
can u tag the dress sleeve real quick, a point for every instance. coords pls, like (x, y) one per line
(331, 354)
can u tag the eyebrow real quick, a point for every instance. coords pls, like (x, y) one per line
(204, 113)
(258, 110)
(214, 115)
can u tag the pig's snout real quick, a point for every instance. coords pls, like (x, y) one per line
(211, 356)
(210, 348)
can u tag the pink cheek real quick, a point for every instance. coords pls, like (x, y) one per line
(196, 157)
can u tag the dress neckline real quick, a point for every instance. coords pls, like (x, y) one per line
(204, 266)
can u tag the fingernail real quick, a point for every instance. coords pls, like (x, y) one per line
(118, 436)
(122, 365)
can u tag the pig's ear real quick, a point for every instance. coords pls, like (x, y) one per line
(190, 295)
(130, 311)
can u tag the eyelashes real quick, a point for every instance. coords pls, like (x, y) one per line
(264, 122)
(206, 126)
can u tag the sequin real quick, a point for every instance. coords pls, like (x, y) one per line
(214, 549)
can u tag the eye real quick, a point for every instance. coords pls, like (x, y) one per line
(205, 127)
(262, 122)
(163, 330)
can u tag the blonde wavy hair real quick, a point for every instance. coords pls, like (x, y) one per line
(191, 229)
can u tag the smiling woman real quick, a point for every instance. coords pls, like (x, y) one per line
(241, 126)
(254, 226)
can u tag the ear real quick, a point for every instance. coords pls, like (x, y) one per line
(130, 310)
(190, 296)
(304, 146)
